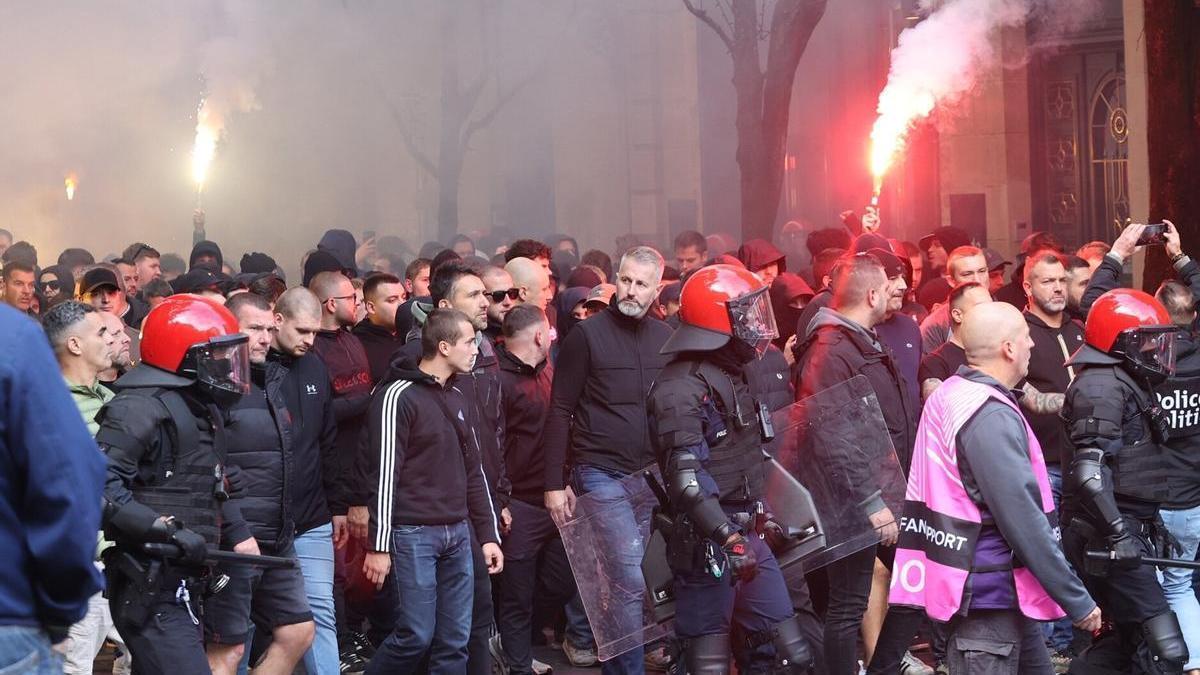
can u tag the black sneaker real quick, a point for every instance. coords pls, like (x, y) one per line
(362, 645)
(351, 663)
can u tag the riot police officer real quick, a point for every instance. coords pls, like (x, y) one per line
(1117, 478)
(166, 484)
(709, 434)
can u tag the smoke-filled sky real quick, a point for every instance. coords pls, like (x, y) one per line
(308, 92)
(109, 91)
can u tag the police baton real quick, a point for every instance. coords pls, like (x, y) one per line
(214, 556)
(1101, 556)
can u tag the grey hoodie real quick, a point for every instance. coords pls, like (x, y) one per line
(993, 457)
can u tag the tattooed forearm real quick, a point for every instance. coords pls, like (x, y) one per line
(1041, 404)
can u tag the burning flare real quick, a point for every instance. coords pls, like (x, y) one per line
(208, 132)
(936, 63)
(71, 182)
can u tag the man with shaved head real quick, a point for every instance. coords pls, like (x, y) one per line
(502, 296)
(532, 280)
(841, 343)
(308, 395)
(979, 500)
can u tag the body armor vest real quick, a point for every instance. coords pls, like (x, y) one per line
(1140, 470)
(189, 478)
(735, 459)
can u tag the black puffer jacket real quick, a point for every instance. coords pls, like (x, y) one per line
(258, 440)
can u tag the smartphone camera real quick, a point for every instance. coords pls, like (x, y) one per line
(1155, 234)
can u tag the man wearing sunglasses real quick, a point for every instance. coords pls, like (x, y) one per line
(498, 285)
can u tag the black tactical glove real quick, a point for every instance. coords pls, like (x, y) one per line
(191, 544)
(235, 482)
(1125, 551)
(742, 561)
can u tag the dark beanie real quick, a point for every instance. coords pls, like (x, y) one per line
(257, 263)
(319, 261)
(869, 240)
(585, 277)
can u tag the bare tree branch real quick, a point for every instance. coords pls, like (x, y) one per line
(704, 16)
(501, 101)
(410, 143)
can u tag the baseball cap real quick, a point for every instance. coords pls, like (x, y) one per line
(995, 261)
(198, 279)
(892, 266)
(97, 277)
(602, 294)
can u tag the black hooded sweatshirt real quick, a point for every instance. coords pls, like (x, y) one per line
(350, 379)
(380, 344)
(206, 248)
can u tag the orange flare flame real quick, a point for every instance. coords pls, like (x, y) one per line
(71, 182)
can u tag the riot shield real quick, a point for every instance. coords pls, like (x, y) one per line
(837, 445)
(605, 540)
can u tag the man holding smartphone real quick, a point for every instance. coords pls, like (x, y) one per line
(1108, 274)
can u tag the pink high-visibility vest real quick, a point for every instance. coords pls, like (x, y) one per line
(941, 525)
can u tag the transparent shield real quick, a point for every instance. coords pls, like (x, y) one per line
(605, 541)
(836, 444)
(834, 462)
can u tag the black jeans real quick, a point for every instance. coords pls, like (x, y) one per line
(534, 562)
(479, 659)
(849, 591)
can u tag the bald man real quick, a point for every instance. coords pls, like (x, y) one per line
(308, 395)
(532, 280)
(978, 501)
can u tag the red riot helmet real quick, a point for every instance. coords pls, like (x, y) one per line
(1131, 325)
(197, 338)
(719, 303)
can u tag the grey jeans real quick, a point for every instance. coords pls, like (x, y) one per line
(997, 642)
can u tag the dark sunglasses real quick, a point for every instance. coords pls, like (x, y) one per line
(498, 296)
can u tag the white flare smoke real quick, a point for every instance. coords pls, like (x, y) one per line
(934, 64)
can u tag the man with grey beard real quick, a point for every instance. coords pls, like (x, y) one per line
(596, 432)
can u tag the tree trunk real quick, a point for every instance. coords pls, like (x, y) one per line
(1173, 126)
(764, 99)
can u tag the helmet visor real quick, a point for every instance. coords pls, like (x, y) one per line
(1153, 348)
(752, 320)
(224, 363)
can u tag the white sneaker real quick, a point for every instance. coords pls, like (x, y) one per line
(911, 665)
(540, 668)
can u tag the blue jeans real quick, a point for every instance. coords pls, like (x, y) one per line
(315, 551)
(25, 650)
(1058, 634)
(1184, 525)
(433, 570)
(604, 486)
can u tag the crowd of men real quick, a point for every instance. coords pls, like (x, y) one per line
(393, 446)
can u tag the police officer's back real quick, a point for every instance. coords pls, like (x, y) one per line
(166, 483)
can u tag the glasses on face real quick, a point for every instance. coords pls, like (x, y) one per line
(498, 296)
(343, 297)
